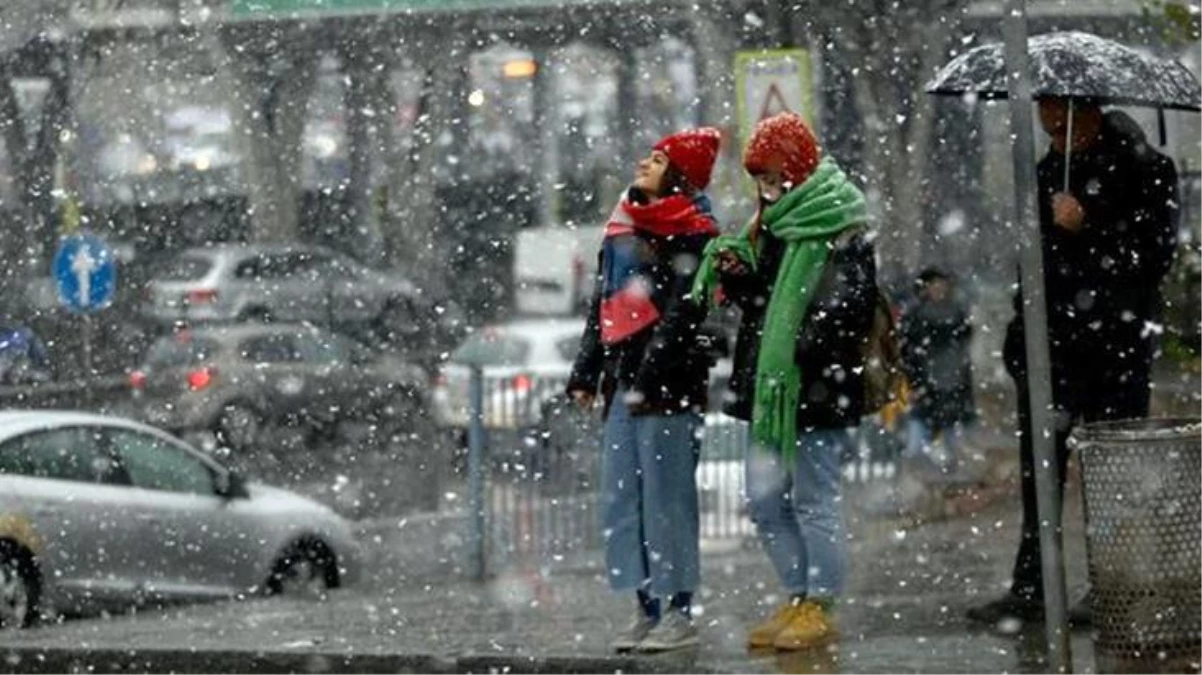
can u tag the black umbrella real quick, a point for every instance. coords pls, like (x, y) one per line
(1076, 65)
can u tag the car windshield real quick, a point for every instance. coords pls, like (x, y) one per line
(185, 268)
(181, 351)
(493, 348)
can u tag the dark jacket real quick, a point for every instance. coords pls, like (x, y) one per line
(667, 361)
(935, 340)
(1102, 282)
(832, 338)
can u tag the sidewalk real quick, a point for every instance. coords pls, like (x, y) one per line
(907, 591)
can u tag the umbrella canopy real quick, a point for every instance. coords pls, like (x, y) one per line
(1076, 65)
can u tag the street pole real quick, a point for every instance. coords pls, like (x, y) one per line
(1035, 322)
(87, 345)
(475, 463)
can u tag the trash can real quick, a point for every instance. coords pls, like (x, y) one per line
(1141, 486)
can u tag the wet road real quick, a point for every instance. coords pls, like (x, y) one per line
(907, 591)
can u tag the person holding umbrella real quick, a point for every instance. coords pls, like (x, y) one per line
(1108, 220)
(1107, 206)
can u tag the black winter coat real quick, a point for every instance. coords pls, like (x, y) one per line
(1103, 281)
(935, 340)
(666, 362)
(832, 338)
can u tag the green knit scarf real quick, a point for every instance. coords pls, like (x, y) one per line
(806, 219)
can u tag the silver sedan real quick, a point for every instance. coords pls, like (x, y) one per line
(101, 512)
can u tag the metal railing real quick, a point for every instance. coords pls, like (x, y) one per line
(104, 394)
(534, 463)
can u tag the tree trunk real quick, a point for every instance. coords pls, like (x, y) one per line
(549, 128)
(271, 113)
(417, 197)
(715, 58)
(898, 137)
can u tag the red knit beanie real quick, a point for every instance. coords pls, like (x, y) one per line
(783, 143)
(693, 153)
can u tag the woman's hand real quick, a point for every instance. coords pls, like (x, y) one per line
(636, 403)
(583, 399)
(728, 264)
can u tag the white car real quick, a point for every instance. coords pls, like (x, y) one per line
(555, 268)
(524, 363)
(101, 512)
(282, 283)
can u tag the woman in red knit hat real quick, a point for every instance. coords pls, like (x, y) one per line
(641, 351)
(803, 274)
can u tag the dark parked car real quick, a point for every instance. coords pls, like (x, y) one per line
(241, 381)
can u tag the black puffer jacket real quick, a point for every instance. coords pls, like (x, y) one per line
(1103, 282)
(666, 362)
(833, 334)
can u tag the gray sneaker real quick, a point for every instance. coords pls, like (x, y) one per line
(675, 631)
(629, 638)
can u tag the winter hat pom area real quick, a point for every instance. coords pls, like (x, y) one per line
(784, 143)
(693, 152)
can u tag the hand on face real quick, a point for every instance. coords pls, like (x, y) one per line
(771, 185)
(728, 264)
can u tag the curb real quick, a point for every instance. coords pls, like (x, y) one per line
(37, 660)
(77, 660)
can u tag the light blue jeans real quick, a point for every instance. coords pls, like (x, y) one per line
(797, 511)
(649, 501)
(919, 438)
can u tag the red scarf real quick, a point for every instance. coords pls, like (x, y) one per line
(626, 305)
(669, 217)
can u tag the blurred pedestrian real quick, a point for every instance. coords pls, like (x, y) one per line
(23, 356)
(803, 273)
(936, 334)
(1108, 240)
(641, 350)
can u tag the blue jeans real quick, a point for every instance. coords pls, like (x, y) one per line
(797, 511)
(649, 501)
(919, 439)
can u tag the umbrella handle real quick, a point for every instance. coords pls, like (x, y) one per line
(1068, 145)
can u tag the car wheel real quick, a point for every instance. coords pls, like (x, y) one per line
(308, 569)
(256, 315)
(19, 588)
(239, 427)
(405, 412)
(397, 322)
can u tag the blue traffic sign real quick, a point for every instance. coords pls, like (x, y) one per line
(86, 272)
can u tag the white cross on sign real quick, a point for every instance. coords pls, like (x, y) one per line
(83, 264)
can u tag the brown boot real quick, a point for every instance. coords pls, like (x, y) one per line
(763, 635)
(811, 626)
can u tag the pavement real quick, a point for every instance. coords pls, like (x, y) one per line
(909, 585)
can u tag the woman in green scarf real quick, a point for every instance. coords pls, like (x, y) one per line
(803, 273)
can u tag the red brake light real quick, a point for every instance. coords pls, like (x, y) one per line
(522, 383)
(199, 379)
(202, 296)
(137, 380)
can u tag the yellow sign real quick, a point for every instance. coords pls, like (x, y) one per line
(772, 81)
